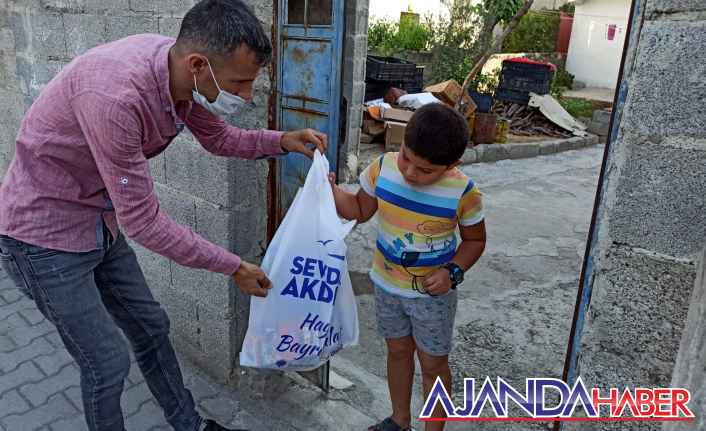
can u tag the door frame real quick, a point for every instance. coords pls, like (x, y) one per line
(275, 215)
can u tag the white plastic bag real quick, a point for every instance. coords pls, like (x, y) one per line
(310, 313)
(417, 100)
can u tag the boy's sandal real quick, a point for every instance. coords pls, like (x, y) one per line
(388, 425)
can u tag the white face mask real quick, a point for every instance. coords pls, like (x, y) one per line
(225, 104)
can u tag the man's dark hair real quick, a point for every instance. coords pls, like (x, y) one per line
(437, 133)
(218, 27)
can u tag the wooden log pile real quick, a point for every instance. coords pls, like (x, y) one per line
(528, 121)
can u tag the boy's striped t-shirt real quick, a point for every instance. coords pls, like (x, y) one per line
(417, 224)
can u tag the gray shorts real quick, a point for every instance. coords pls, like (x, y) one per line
(430, 320)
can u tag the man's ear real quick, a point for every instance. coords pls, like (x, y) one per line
(196, 63)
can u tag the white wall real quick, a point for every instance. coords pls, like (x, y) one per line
(592, 58)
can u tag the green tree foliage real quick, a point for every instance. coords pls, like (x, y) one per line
(537, 32)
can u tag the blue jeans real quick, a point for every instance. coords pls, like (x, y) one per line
(88, 296)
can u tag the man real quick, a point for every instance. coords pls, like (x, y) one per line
(81, 169)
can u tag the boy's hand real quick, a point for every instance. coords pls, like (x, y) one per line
(332, 180)
(438, 283)
(251, 279)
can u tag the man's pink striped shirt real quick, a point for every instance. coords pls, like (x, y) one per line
(82, 153)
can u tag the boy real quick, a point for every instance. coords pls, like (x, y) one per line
(421, 197)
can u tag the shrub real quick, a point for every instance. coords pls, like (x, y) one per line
(536, 32)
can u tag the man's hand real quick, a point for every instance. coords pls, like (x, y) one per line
(438, 283)
(252, 280)
(296, 142)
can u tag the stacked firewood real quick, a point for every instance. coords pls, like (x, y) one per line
(528, 121)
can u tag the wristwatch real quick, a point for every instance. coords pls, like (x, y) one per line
(455, 274)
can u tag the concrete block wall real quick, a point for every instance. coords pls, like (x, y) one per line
(651, 224)
(690, 371)
(221, 199)
(354, 55)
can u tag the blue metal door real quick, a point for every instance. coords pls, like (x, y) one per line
(308, 95)
(309, 82)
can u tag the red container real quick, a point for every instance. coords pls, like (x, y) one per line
(564, 36)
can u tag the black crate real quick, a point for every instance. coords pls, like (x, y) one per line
(416, 84)
(515, 96)
(518, 79)
(376, 89)
(389, 69)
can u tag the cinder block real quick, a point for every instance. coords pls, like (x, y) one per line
(522, 151)
(469, 156)
(8, 70)
(251, 233)
(575, 142)
(40, 35)
(548, 147)
(204, 287)
(250, 183)
(162, 7)
(34, 77)
(495, 152)
(158, 169)
(641, 299)
(660, 102)
(215, 336)
(660, 201)
(564, 145)
(84, 6)
(215, 223)
(178, 205)
(84, 32)
(155, 267)
(169, 26)
(119, 27)
(183, 315)
(675, 6)
(193, 170)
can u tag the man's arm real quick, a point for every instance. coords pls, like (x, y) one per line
(114, 135)
(222, 139)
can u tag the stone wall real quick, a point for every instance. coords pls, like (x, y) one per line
(223, 200)
(651, 223)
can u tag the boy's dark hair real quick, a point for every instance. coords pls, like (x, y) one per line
(437, 133)
(218, 27)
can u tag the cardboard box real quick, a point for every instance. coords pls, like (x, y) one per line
(394, 114)
(373, 127)
(448, 91)
(394, 135)
(467, 107)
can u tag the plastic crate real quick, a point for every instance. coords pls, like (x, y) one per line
(375, 89)
(416, 84)
(389, 69)
(520, 97)
(518, 79)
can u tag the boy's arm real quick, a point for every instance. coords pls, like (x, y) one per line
(468, 253)
(360, 206)
(472, 246)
